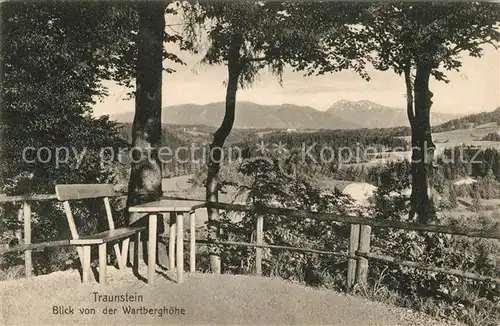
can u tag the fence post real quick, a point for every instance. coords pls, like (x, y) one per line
(180, 245)
(27, 237)
(259, 239)
(352, 262)
(18, 233)
(364, 247)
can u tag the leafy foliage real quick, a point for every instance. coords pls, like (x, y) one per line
(420, 40)
(404, 34)
(266, 183)
(213, 24)
(54, 57)
(458, 297)
(329, 40)
(53, 65)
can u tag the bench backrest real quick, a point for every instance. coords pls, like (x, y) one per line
(67, 192)
(84, 191)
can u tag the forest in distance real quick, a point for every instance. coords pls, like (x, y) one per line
(56, 55)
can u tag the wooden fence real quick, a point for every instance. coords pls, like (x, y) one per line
(358, 254)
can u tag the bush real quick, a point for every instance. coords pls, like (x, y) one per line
(270, 181)
(492, 136)
(48, 220)
(454, 297)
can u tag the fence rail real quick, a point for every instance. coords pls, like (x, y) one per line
(24, 238)
(358, 253)
(293, 213)
(35, 246)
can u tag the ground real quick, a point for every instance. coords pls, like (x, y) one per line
(205, 298)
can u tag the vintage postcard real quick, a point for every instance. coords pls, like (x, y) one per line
(249, 162)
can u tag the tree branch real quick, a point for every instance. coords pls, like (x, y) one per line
(257, 59)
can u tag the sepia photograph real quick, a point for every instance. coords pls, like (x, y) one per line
(249, 162)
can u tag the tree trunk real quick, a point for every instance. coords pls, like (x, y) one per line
(422, 148)
(409, 96)
(146, 177)
(411, 118)
(215, 154)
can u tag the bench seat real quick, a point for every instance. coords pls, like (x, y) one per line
(107, 236)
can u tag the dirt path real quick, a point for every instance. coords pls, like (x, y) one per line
(206, 299)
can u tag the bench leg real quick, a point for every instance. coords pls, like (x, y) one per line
(86, 265)
(79, 251)
(118, 254)
(103, 262)
(171, 242)
(125, 249)
(152, 247)
(137, 248)
(180, 247)
(192, 242)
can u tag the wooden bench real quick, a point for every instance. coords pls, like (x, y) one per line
(68, 192)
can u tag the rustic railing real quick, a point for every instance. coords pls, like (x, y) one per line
(24, 235)
(358, 253)
(24, 216)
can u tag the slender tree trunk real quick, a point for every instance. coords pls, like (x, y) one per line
(145, 177)
(423, 148)
(409, 95)
(411, 118)
(215, 154)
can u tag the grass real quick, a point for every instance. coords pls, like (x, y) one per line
(481, 312)
(465, 136)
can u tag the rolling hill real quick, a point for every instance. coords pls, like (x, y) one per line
(251, 115)
(471, 121)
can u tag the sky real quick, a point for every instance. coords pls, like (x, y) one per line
(475, 88)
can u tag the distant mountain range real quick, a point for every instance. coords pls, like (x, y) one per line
(341, 115)
(373, 115)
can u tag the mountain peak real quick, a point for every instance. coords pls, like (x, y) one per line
(373, 115)
(362, 105)
(342, 101)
